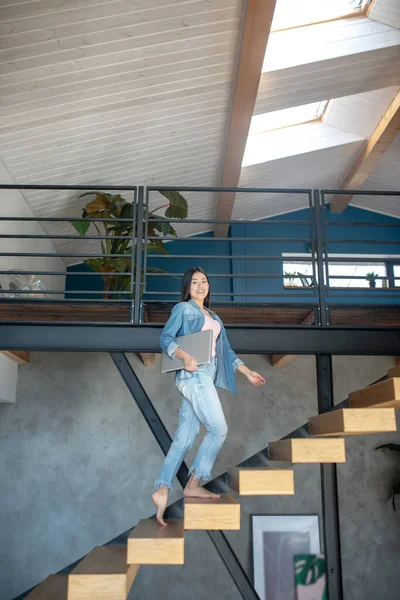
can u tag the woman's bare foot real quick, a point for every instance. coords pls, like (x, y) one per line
(199, 492)
(160, 499)
(194, 490)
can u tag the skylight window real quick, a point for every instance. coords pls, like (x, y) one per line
(293, 13)
(287, 117)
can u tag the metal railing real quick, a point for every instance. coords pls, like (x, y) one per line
(137, 286)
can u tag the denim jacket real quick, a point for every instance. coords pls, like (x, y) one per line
(186, 317)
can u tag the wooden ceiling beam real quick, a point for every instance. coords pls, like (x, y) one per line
(256, 28)
(374, 149)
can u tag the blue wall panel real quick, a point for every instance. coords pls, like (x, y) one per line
(270, 289)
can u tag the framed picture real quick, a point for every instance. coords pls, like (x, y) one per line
(276, 541)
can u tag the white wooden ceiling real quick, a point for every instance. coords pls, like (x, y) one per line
(116, 92)
(386, 11)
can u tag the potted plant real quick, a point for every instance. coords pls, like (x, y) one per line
(114, 207)
(396, 482)
(289, 279)
(372, 277)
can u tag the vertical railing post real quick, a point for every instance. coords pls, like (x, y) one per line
(319, 234)
(329, 488)
(134, 235)
(139, 241)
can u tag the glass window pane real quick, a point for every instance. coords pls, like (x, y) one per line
(301, 274)
(352, 270)
(396, 271)
(287, 117)
(293, 13)
(297, 274)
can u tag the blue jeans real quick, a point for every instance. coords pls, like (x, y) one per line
(200, 404)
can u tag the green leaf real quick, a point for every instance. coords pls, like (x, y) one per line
(116, 204)
(81, 226)
(95, 264)
(163, 226)
(155, 245)
(123, 263)
(127, 211)
(178, 208)
(308, 568)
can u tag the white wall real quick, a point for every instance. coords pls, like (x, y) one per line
(13, 204)
(8, 379)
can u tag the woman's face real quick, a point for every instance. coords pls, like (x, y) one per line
(199, 286)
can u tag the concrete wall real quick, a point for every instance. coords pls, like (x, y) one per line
(78, 464)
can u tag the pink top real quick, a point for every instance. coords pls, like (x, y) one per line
(211, 323)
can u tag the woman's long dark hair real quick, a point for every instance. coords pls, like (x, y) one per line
(186, 283)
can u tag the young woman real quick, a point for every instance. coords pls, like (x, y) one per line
(196, 384)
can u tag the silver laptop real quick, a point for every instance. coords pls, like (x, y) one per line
(196, 344)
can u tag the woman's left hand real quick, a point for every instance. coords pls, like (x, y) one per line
(255, 378)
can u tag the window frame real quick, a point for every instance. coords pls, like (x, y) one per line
(389, 261)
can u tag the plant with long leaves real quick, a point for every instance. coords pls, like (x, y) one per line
(119, 237)
(396, 483)
(309, 569)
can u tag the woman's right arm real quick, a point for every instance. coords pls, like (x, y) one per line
(167, 339)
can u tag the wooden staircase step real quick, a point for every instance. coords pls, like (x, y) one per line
(308, 450)
(353, 421)
(55, 587)
(394, 372)
(210, 513)
(259, 481)
(385, 394)
(103, 574)
(152, 544)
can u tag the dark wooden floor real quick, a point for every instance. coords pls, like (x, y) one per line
(248, 314)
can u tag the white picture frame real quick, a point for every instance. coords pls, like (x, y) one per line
(276, 539)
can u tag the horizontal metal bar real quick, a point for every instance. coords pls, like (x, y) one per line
(61, 255)
(210, 275)
(232, 257)
(365, 295)
(359, 193)
(255, 294)
(61, 292)
(156, 188)
(69, 273)
(247, 340)
(233, 239)
(231, 221)
(82, 302)
(363, 241)
(66, 219)
(228, 304)
(358, 261)
(353, 277)
(91, 188)
(15, 236)
(365, 224)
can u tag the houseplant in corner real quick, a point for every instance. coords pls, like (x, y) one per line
(114, 207)
(396, 482)
(289, 279)
(372, 277)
